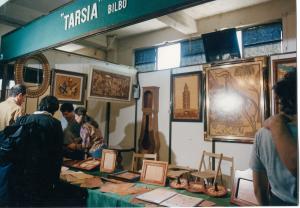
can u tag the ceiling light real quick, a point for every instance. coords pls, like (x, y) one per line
(71, 47)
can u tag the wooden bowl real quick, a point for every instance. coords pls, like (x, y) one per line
(195, 187)
(174, 184)
(220, 192)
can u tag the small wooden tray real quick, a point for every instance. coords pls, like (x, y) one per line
(127, 176)
(87, 164)
(70, 163)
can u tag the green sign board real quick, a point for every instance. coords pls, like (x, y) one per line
(81, 18)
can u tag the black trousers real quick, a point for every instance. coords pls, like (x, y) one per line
(275, 201)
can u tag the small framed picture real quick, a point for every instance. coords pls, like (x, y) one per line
(154, 172)
(68, 86)
(108, 161)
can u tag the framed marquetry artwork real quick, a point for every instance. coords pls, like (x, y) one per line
(280, 65)
(68, 86)
(109, 85)
(108, 161)
(235, 100)
(187, 97)
(154, 172)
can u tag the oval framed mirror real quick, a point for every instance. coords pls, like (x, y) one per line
(34, 73)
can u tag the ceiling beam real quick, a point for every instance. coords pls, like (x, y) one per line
(19, 12)
(181, 22)
(99, 42)
(10, 21)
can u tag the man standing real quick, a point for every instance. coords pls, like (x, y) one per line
(37, 170)
(274, 155)
(11, 108)
(67, 111)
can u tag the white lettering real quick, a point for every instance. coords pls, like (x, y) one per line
(66, 21)
(120, 5)
(71, 21)
(94, 11)
(77, 17)
(80, 16)
(109, 9)
(83, 15)
(124, 4)
(116, 6)
(88, 13)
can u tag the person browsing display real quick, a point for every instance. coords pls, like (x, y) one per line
(274, 155)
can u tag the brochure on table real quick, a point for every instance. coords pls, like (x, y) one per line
(169, 198)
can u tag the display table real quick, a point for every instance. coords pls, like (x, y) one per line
(76, 196)
(98, 199)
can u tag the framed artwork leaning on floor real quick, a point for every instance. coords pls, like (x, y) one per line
(236, 103)
(68, 86)
(187, 97)
(280, 65)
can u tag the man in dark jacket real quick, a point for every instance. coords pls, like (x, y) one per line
(37, 170)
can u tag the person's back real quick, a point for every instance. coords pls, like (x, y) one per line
(38, 170)
(274, 153)
(11, 108)
(283, 184)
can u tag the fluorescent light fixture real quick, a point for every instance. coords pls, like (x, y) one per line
(70, 47)
(3, 2)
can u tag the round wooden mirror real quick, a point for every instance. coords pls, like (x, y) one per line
(33, 72)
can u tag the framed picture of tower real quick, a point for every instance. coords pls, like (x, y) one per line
(186, 97)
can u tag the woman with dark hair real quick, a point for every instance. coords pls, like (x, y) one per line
(82, 136)
(80, 115)
(92, 139)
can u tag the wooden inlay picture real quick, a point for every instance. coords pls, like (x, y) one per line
(108, 85)
(68, 86)
(186, 93)
(154, 172)
(235, 105)
(108, 161)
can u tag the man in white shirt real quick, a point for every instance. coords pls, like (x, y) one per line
(11, 108)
